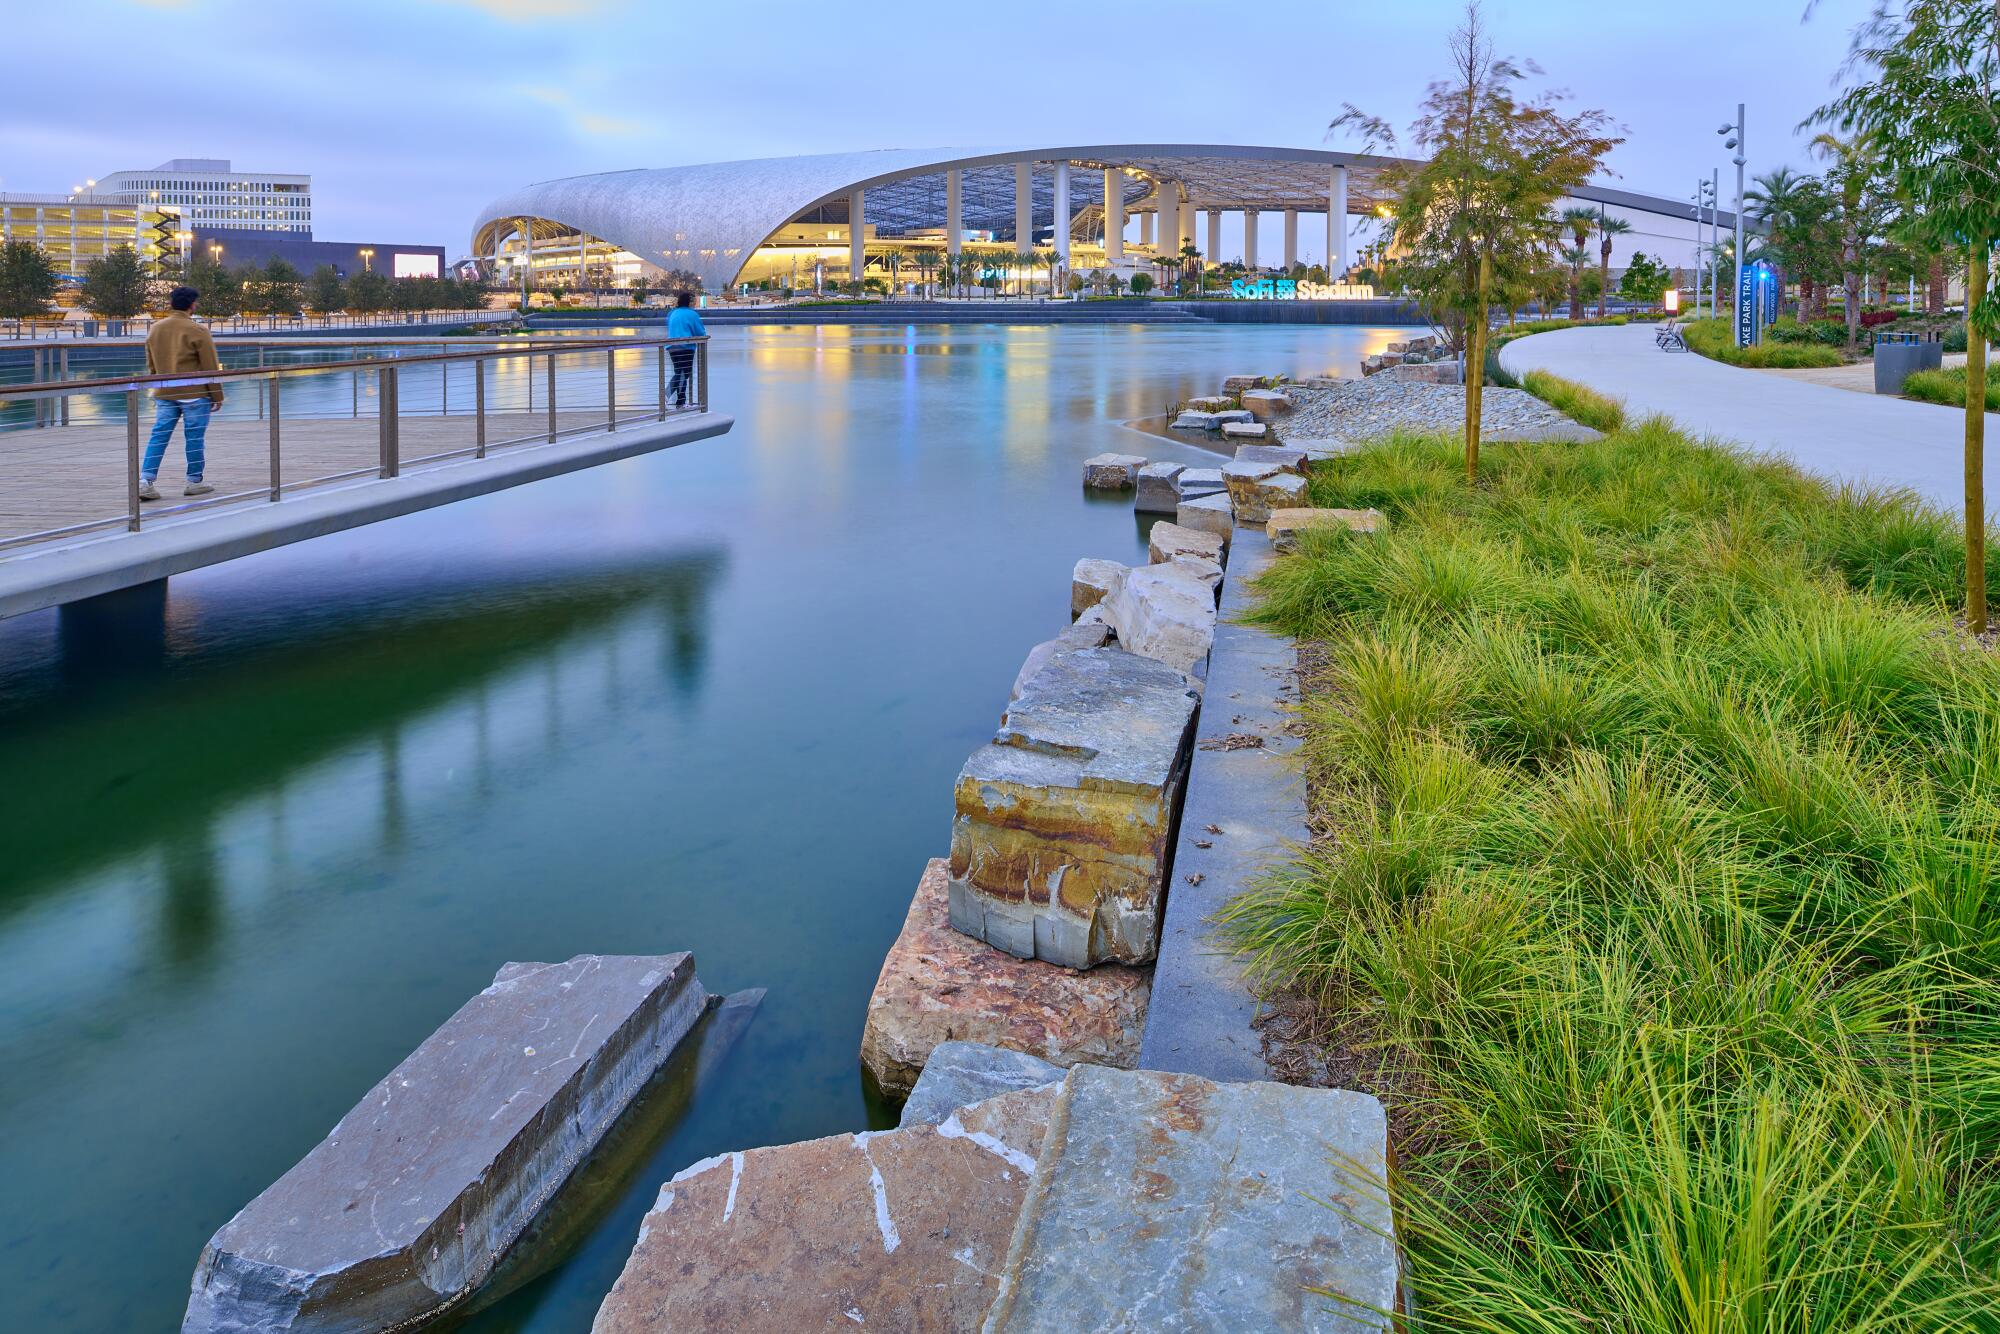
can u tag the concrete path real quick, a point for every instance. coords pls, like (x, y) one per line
(1245, 810)
(1841, 436)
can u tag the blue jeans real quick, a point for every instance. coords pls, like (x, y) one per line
(192, 414)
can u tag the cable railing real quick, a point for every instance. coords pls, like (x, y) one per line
(107, 327)
(75, 465)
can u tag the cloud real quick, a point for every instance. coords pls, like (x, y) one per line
(525, 11)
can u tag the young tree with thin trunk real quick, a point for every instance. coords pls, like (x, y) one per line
(1473, 219)
(1930, 102)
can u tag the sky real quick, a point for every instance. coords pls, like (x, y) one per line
(412, 114)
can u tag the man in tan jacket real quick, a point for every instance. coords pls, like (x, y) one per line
(179, 346)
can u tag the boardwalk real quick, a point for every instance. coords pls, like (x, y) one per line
(65, 475)
(75, 474)
(1842, 436)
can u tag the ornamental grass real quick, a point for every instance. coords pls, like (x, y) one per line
(1656, 877)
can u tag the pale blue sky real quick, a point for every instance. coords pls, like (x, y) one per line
(410, 114)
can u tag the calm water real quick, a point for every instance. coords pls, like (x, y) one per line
(712, 699)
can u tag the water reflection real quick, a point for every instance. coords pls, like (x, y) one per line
(263, 840)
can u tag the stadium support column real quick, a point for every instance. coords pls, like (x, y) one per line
(1062, 215)
(1336, 225)
(1146, 221)
(1187, 232)
(1024, 205)
(1214, 255)
(953, 213)
(1249, 238)
(1291, 238)
(857, 237)
(527, 259)
(1114, 216)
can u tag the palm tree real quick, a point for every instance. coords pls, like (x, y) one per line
(1607, 227)
(1052, 261)
(1024, 260)
(1190, 262)
(1774, 201)
(892, 260)
(926, 261)
(1579, 221)
(1854, 165)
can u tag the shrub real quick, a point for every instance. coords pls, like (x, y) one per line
(1575, 401)
(1948, 387)
(1716, 339)
(1656, 892)
(1871, 318)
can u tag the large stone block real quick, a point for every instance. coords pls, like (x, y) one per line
(1286, 457)
(900, 1230)
(959, 1074)
(1166, 612)
(1264, 404)
(1112, 472)
(1234, 417)
(1255, 489)
(1245, 431)
(1059, 843)
(1092, 581)
(1159, 490)
(1234, 383)
(1284, 525)
(1168, 540)
(938, 985)
(1193, 483)
(404, 1208)
(1091, 630)
(1167, 1202)
(1210, 514)
(1191, 420)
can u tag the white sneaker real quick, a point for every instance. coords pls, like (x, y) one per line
(197, 489)
(147, 491)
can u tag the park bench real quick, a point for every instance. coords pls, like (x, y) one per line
(1668, 337)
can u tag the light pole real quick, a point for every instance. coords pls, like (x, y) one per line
(1736, 140)
(367, 260)
(1700, 191)
(1714, 236)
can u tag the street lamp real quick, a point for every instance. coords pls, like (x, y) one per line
(215, 252)
(1736, 140)
(367, 260)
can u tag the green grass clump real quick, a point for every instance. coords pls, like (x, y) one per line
(1716, 339)
(1949, 387)
(1575, 401)
(1660, 874)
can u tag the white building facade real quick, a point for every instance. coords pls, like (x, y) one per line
(209, 194)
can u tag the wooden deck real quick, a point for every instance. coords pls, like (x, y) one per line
(63, 475)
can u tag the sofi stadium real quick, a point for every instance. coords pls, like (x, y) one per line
(832, 217)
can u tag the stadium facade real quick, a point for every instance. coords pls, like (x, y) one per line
(837, 215)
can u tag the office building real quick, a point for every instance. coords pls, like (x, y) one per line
(210, 195)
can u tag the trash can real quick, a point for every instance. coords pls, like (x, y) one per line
(1896, 355)
(90, 328)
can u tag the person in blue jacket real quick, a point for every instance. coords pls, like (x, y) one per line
(684, 322)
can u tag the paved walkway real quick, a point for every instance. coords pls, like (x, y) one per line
(1839, 435)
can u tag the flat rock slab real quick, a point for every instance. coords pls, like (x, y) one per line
(1168, 540)
(1112, 472)
(1284, 525)
(407, 1204)
(1168, 1202)
(938, 985)
(1234, 383)
(1245, 431)
(1564, 431)
(1209, 514)
(1233, 417)
(1061, 829)
(959, 1074)
(890, 1230)
(1159, 490)
(1286, 457)
(1193, 421)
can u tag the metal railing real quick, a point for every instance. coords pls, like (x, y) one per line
(679, 386)
(96, 326)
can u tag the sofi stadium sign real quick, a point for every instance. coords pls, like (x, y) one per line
(1289, 289)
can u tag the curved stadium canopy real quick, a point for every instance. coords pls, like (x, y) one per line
(714, 218)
